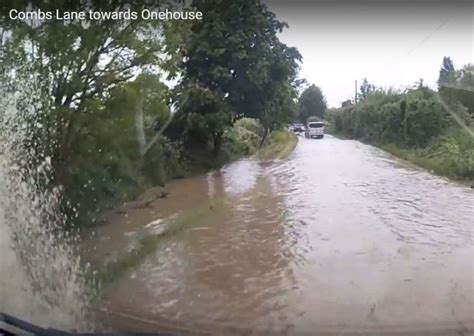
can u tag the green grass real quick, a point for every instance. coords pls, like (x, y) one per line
(279, 145)
(127, 260)
(450, 155)
(417, 156)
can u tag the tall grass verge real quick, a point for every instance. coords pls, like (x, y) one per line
(279, 145)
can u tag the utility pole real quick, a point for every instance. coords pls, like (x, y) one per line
(355, 93)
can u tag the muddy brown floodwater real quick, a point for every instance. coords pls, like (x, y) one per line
(341, 237)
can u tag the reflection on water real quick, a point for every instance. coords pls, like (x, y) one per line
(239, 178)
(339, 237)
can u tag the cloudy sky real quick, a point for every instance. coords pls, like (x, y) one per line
(392, 44)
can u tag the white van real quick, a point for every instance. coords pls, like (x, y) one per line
(314, 129)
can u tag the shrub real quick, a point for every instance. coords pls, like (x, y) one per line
(413, 119)
(455, 150)
(424, 120)
(243, 138)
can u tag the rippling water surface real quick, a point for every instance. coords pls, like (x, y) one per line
(341, 236)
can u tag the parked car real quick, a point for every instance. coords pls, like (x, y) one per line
(314, 129)
(298, 128)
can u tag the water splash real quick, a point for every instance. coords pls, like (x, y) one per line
(41, 276)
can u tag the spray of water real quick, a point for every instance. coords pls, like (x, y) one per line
(40, 277)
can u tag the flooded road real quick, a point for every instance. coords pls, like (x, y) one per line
(341, 237)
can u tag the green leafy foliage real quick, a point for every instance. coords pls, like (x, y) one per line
(234, 66)
(311, 103)
(365, 89)
(451, 154)
(105, 104)
(455, 150)
(413, 118)
(456, 87)
(244, 137)
(108, 162)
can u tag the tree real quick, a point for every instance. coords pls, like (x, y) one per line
(311, 103)
(465, 87)
(447, 77)
(233, 63)
(81, 62)
(456, 88)
(420, 84)
(347, 103)
(365, 89)
(447, 71)
(102, 94)
(269, 89)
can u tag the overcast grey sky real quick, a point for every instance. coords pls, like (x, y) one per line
(392, 44)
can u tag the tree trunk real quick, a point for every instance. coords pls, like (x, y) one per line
(140, 126)
(264, 137)
(217, 139)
